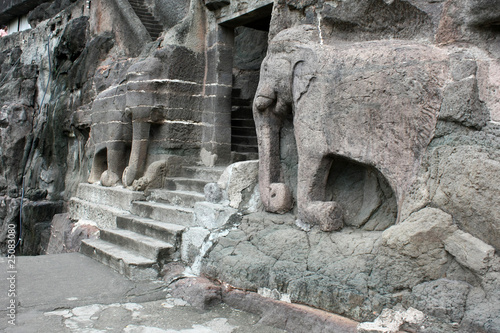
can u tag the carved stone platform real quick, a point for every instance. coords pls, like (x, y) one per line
(139, 232)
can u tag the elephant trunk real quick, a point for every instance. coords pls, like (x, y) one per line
(276, 196)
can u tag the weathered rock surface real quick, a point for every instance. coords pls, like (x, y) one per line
(66, 235)
(356, 273)
(108, 89)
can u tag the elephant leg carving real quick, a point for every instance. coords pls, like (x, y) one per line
(99, 165)
(138, 153)
(313, 176)
(116, 163)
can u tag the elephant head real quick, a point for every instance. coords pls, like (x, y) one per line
(273, 101)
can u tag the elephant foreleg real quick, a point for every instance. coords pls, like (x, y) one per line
(138, 153)
(312, 179)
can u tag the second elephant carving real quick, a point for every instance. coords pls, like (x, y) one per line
(373, 102)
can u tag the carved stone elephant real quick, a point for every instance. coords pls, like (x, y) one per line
(156, 90)
(373, 102)
(121, 122)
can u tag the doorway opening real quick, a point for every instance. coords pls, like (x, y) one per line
(249, 49)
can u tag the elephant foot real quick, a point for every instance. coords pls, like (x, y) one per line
(109, 179)
(129, 175)
(327, 214)
(280, 198)
(93, 179)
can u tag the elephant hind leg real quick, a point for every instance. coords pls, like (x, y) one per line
(312, 180)
(138, 153)
(99, 165)
(117, 159)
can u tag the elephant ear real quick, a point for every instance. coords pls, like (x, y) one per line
(303, 75)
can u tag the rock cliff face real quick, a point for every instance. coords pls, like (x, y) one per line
(87, 95)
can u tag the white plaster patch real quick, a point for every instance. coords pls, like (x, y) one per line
(172, 302)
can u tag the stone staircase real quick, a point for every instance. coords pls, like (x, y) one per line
(152, 25)
(141, 232)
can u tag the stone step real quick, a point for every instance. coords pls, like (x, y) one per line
(138, 5)
(147, 246)
(138, 9)
(116, 197)
(177, 198)
(126, 262)
(167, 232)
(243, 156)
(164, 212)
(142, 11)
(244, 148)
(242, 112)
(242, 123)
(150, 21)
(244, 140)
(104, 216)
(186, 184)
(243, 131)
(211, 174)
(236, 101)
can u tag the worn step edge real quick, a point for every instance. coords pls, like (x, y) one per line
(186, 184)
(176, 197)
(211, 174)
(147, 246)
(124, 261)
(110, 196)
(104, 216)
(167, 232)
(164, 212)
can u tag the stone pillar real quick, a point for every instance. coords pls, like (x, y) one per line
(216, 147)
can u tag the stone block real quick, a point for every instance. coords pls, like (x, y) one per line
(192, 242)
(239, 181)
(213, 193)
(199, 292)
(461, 104)
(469, 251)
(214, 216)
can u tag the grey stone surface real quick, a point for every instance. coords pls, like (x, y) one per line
(458, 175)
(239, 181)
(470, 251)
(437, 255)
(442, 298)
(66, 235)
(192, 241)
(72, 293)
(357, 273)
(213, 193)
(215, 216)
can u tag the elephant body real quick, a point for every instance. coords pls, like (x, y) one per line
(373, 102)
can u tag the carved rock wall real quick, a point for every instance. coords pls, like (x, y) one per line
(442, 256)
